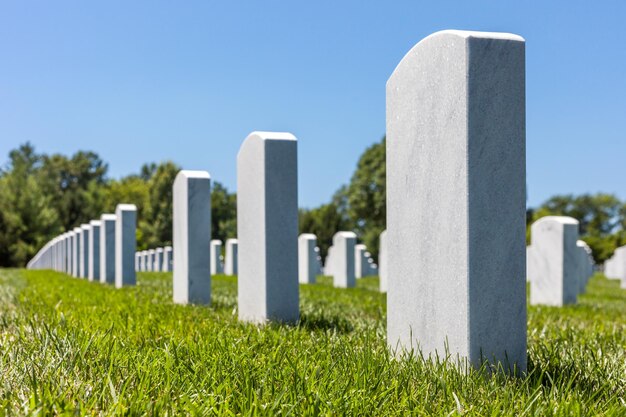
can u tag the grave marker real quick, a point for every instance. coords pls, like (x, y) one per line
(456, 199)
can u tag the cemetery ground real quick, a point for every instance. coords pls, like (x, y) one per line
(69, 346)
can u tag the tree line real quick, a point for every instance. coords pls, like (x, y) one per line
(44, 195)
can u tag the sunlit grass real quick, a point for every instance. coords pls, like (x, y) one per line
(73, 347)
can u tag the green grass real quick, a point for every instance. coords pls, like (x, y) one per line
(72, 347)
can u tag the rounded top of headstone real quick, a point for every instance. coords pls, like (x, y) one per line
(126, 207)
(444, 36)
(95, 223)
(187, 173)
(272, 135)
(558, 219)
(259, 137)
(478, 34)
(345, 234)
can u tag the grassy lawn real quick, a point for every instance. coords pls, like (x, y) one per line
(72, 347)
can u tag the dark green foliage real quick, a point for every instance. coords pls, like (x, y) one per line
(27, 218)
(156, 223)
(70, 347)
(223, 213)
(367, 204)
(75, 186)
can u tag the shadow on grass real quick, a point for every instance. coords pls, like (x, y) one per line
(317, 322)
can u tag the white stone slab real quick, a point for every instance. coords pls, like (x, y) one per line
(84, 250)
(553, 265)
(307, 258)
(216, 257)
(151, 259)
(232, 257)
(78, 232)
(192, 236)
(158, 259)
(125, 244)
(328, 262)
(360, 261)
(267, 228)
(456, 199)
(342, 261)
(69, 238)
(93, 272)
(107, 248)
(382, 262)
(167, 259)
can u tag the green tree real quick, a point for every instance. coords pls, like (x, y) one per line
(223, 213)
(75, 186)
(156, 222)
(27, 216)
(366, 196)
(129, 190)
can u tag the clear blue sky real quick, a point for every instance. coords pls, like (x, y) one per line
(141, 81)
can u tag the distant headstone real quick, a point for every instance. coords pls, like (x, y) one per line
(78, 232)
(553, 268)
(360, 262)
(107, 248)
(382, 262)
(151, 256)
(167, 259)
(158, 259)
(342, 266)
(231, 259)
(307, 258)
(145, 257)
(328, 262)
(69, 252)
(615, 266)
(267, 228)
(125, 244)
(94, 251)
(84, 250)
(583, 265)
(456, 199)
(192, 236)
(216, 257)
